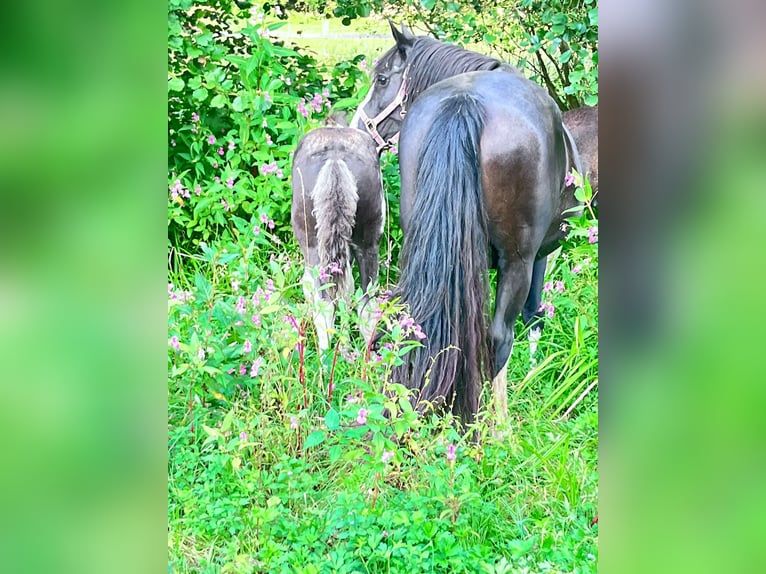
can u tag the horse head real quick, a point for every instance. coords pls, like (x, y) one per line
(383, 109)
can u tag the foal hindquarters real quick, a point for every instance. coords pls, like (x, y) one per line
(338, 212)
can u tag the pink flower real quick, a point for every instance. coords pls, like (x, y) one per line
(387, 455)
(271, 224)
(569, 179)
(560, 286)
(242, 369)
(577, 269)
(198, 190)
(267, 97)
(256, 367)
(247, 347)
(550, 310)
(220, 151)
(243, 436)
(418, 332)
(451, 453)
(293, 423)
(548, 287)
(256, 320)
(211, 140)
(175, 343)
(302, 109)
(256, 230)
(235, 285)
(240, 306)
(268, 140)
(593, 234)
(264, 218)
(195, 117)
(230, 183)
(201, 354)
(361, 418)
(231, 145)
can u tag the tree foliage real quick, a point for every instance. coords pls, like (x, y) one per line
(554, 41)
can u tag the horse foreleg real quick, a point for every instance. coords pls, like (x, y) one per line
(531, 314)
(512, 288)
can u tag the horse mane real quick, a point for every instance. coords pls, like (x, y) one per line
(431, 61)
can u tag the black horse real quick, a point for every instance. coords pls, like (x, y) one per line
(338, 210)
(483, 161)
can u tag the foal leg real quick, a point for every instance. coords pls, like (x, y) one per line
(531, 314)
(512, 288)
(367, 259)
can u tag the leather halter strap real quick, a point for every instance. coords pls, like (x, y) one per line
(371, 124)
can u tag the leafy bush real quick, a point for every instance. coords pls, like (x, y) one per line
(238, 103)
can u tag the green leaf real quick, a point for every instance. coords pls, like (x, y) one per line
(236, 105)
(315, 438)
(202, 204)
(200, 94)
(335, 451)
(332, 420)
(218, 101)
(227, 420)
(176, 84)
(282, 51)
(428, 4)
(204, 288)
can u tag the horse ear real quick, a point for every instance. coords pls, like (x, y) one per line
(403, 39)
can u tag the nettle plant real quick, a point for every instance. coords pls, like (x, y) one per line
(238, 101)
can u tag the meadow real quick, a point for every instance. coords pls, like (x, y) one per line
(279, 456)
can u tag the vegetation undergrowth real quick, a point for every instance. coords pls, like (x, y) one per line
(280, 458)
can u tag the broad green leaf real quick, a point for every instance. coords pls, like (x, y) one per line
(218, 101)
(314, 439)
(176, 84)
(200, 94)
(332, 420)
(204, 288)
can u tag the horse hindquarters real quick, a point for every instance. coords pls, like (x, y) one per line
(332, 200)
(444, 258)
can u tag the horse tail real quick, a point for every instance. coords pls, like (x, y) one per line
(444, 262)
(335, 197)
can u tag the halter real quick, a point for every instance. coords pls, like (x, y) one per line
(372, 123)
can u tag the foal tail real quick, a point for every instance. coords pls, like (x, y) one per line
(335, 197)
(444, 263)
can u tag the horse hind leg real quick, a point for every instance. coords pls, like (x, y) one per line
(367, 259)
(323, 310)
(531, 313)
(513, 283)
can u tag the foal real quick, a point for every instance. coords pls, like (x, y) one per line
(338, 212)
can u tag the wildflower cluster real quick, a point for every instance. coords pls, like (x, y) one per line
(269, 168)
